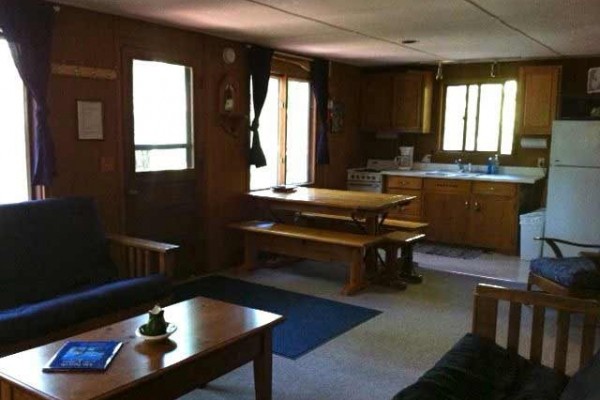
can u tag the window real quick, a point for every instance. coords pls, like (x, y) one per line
(480, 117)
(14, 173)
(285, 134)
(162, 119)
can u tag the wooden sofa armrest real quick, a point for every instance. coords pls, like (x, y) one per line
(552, 243)
(485, 317)
(137, 257)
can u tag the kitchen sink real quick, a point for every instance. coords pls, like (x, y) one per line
(452, 173)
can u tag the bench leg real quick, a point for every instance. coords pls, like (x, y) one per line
(250, 254)
(356, 276)
(407, 265)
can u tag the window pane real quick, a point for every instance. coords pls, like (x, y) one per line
(472, 117)
(508, 116)
(160, 160)
(454, 121)
(489, 117)
(13, 138)
(265, 177)
(298, 132)
(161, 113)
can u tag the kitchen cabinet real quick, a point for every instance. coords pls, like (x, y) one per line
(479, 214)
(413, 93)
(408, 186)
(446, 209)
(493, 216)
(376, 100)
(399, 102)
(538, 93)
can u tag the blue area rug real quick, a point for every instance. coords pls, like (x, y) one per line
(309, 321)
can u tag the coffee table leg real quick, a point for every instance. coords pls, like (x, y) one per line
(263, 367)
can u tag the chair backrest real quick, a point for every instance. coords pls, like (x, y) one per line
(49, 247)
(485, 320)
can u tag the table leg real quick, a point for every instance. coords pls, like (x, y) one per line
(372, 228)
(263, 368)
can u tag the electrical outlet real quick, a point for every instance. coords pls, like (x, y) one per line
(541, 162)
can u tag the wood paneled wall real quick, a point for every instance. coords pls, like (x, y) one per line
(573, 83)
(96, 168)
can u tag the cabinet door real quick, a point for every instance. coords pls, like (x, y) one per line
(411, 111)
(538, 91)
(376, 102)
(492, 223)
(447, 215)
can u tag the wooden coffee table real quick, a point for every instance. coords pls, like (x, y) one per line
(212, 339)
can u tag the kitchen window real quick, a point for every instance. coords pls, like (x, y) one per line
(286, 134)
(14, 160)
(480, 117)
(162, 121)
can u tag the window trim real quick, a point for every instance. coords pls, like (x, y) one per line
(467, 82)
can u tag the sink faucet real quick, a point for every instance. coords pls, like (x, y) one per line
(461, 166)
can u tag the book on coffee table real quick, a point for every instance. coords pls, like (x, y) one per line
(83, 356)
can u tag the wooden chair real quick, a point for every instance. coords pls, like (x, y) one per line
(572, 277)
(485, 317)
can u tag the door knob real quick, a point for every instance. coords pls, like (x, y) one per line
(477, 206)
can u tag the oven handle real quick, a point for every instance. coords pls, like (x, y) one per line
(361, 184)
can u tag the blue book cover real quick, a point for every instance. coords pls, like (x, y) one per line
(83, 356)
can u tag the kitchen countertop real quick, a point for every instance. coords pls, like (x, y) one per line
(449, 171)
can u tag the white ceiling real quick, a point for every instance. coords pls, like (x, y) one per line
(370, 32)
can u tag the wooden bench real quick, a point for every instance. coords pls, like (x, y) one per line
(396, 224)
(311, 243)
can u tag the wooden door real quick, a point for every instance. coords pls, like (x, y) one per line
(447, 215)
(160, 188)
(492, 223)
(376, 101)
(538, 92)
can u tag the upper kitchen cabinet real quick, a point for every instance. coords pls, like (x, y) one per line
(397, 102)
(411, 110)
(538, 91)
(376, 102)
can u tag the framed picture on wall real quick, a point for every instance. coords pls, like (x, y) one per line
(593, 83)
(89, 120)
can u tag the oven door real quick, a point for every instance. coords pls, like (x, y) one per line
(374, 187)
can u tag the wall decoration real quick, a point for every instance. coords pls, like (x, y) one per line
(593, 83)
(231, 116)
(89, 120)
(336, 116)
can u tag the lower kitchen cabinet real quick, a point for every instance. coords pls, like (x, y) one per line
(473, 213)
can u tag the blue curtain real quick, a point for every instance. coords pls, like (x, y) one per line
(260, 71)
(319, 81)
(27, 25)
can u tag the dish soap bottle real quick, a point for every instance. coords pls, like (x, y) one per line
(490, 166)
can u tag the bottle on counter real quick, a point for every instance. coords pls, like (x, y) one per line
(490, 166)
(496, 166)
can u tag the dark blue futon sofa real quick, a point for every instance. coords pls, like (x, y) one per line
(57, 276)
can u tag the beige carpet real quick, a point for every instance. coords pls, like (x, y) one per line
(375, 359)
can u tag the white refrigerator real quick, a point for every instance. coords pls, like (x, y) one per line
(573, 201)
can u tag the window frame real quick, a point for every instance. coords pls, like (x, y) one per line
(479, 82)
(189, 145)
(286, 72)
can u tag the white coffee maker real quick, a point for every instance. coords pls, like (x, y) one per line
(404, 161)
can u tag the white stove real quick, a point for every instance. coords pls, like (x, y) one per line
(368, 179)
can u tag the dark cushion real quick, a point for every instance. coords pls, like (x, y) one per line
(477, 368)
(585, 384)
(32, 320)
(571, 272)
(50, 247)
